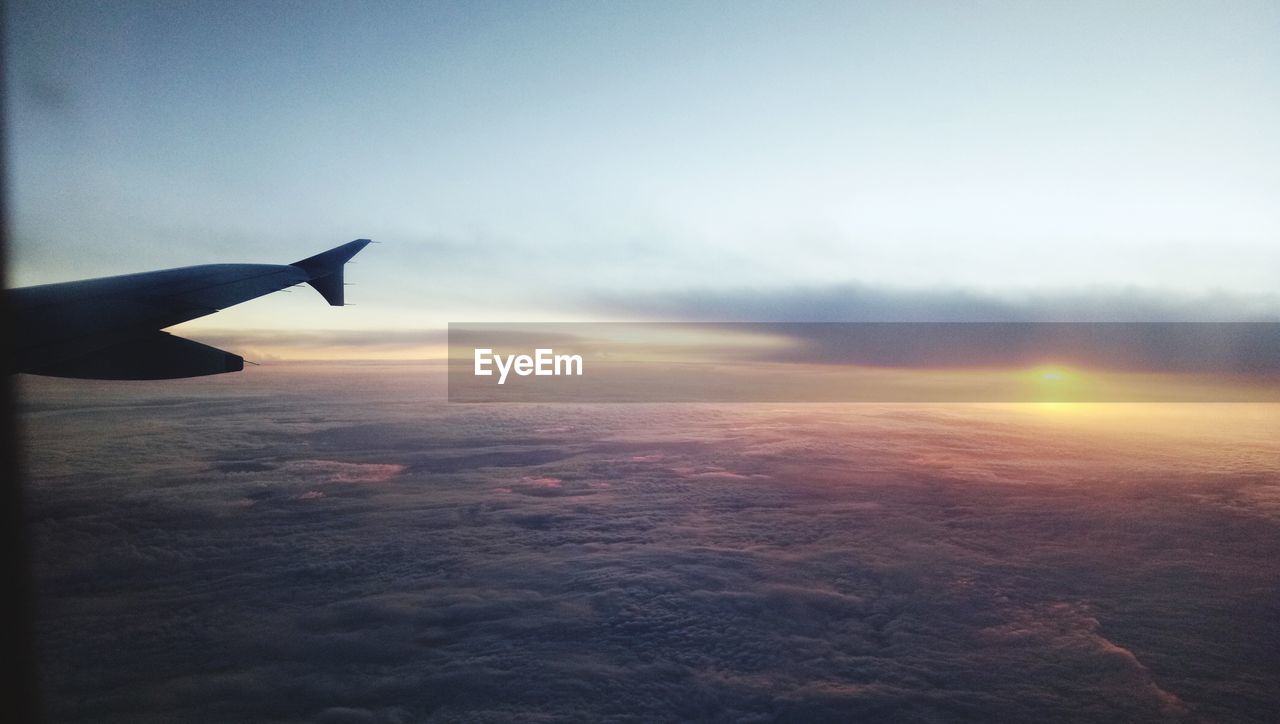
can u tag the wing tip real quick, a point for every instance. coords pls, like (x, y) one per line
(327, 262)
(325, 270)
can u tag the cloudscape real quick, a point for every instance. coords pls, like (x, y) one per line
(378, 554)
(953, 328)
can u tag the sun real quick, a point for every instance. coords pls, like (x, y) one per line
(1053, 383)
(1052, 374)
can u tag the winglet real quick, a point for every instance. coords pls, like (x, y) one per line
(324, 270)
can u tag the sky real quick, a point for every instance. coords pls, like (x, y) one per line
(568, 161)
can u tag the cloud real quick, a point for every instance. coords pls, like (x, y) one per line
(643, 563)
(860, 302)
(1226, 349)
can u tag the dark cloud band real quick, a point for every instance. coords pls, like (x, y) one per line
(876, 362)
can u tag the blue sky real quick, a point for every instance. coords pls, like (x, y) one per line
(521, 160)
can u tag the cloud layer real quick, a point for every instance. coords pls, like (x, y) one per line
(865, 302)
(341, 546)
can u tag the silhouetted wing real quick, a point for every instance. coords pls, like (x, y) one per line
(109, 328)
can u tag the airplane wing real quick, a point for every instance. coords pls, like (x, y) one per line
(110, 328)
